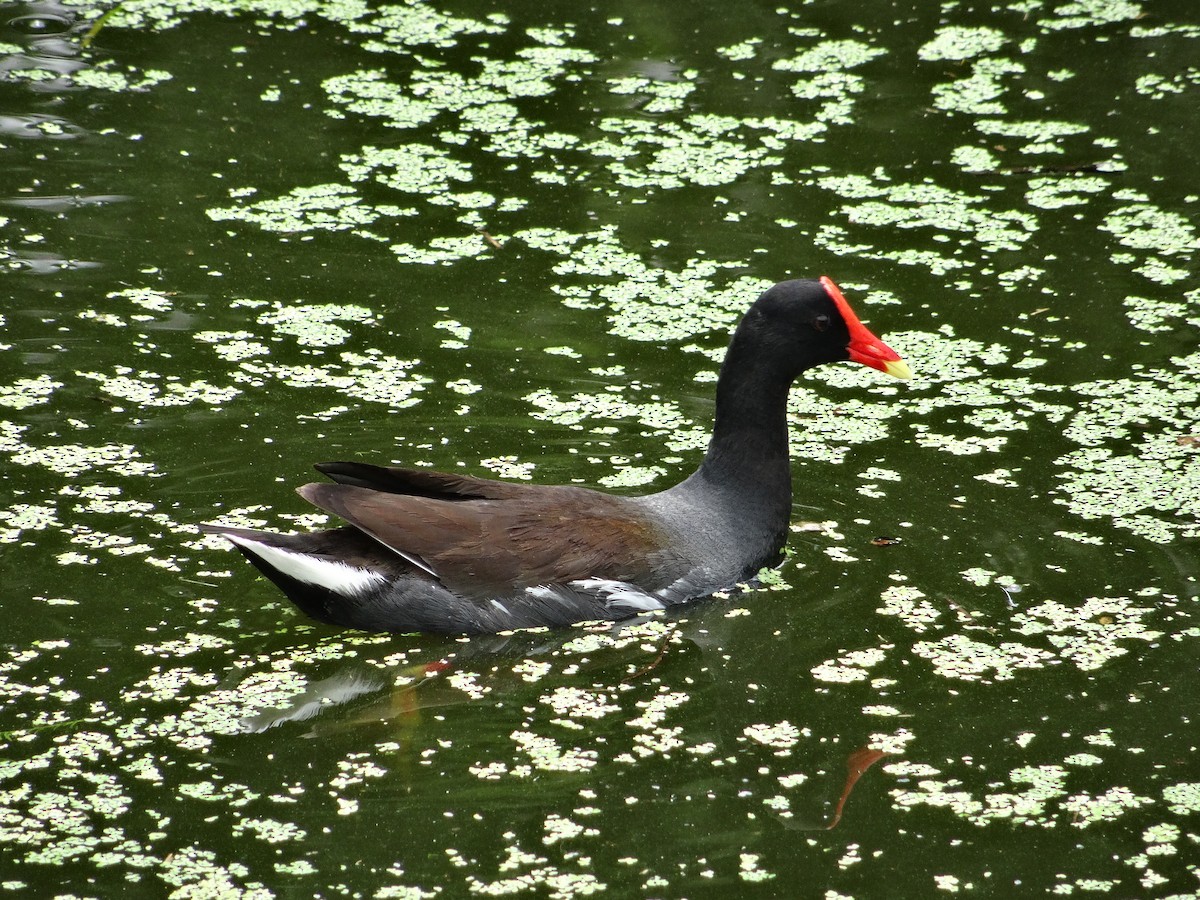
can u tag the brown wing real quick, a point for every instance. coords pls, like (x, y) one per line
(497, 547)
(423, 482)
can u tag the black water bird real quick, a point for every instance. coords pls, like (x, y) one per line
(436, 552)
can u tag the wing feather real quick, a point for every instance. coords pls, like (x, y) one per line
(496, 547)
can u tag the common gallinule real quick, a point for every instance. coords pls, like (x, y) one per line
(429, 551)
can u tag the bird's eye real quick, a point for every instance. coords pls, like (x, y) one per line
(821, 323)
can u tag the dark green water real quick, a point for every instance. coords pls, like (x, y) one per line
(512, 239)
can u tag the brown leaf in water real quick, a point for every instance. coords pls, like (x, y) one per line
(856, 765)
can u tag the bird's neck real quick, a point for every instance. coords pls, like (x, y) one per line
(748, 454)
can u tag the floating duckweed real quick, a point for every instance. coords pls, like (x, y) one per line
(1115, 802)
(145, 392)
(977, 93)
(1084, 13)
(655, 710)
(509, 467)
(962, 658)
(411, 168)
(660, 415)
(1160, 838)
(909, 605)
(104, 76)
(441, 251)
(632, 476)
(968, 446)
(663, 96)
(1160, 477)
(192, 870)
(1146, 227)
(571, 703)
(781, 736)
(546, 755)
(850, 666)
(1080, 537)
(468, 200)
(1158, 86)
(460, 331)
(880, 710)
(1183, 798)
(27, 392)
(876, 473)
(379, 378)
(1001, 477)
(1154, 315)
(747, 49)
(75, 459)
(146, 298)
(974, 159)
(184, 646)
(829, 85)
(680, 156)
(404, 26)
(1055, 193)
(927, 205)
(1099, 622)
(468, 683)
(1041, 129)
(232, 346)
(1030, 805)
(21, 517)
(1156, 270)
(324, 207)
(304, 867)
(749, 870)
(312, 325)
(559, 828)
(956, 42)
(983, 577)
(368, 93)
(830, 55)
(531, 670)
(990, 419)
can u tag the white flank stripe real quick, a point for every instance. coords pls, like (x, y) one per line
(620, 594)
(616, 594)
(349, 581)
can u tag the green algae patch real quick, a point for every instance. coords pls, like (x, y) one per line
(830, 54)
(412, 168)
(956, 42)
(1088, 636)
(979, 92)
(1144, 482)
(323, 207)
(107, 77)
(147, 389)
(1089, 13)
(1056, 193)
(27, 392)
(1146, 227)
(313, 325)
(886, 205)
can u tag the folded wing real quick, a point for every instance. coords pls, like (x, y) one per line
(484, 539)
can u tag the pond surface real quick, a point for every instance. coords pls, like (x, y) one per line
(511, 239)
